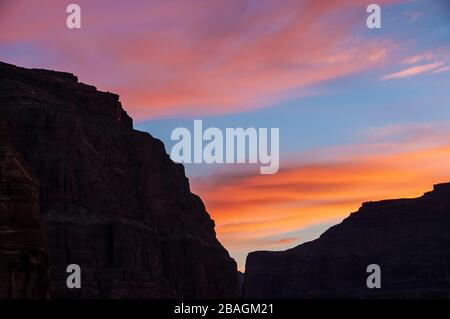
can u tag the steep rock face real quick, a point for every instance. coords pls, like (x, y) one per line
(408, 238)
(23, 249)
(112, 200)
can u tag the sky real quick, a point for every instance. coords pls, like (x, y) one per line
(363, 113)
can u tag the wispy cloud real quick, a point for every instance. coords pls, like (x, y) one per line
(412, 71)
(413, 15)
(427, 56)
(441, 70)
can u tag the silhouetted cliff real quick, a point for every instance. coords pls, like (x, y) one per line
(110, 198)
(408, 238)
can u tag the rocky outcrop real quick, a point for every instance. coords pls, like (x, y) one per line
(23, 248)
(408, 238)
(111, 199)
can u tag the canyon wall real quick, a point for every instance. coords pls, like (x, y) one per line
(109, 197)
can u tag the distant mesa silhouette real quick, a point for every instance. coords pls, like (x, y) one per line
(408, 238)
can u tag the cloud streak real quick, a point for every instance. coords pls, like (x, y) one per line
(412, 71)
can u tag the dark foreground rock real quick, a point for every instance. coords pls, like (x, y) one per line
(110, 198)
(408, 238)
(23, 247)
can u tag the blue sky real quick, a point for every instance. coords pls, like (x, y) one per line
(363, 114)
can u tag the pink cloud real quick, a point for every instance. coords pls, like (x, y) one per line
(427, 56)
(196, 57)
(443, 69)
(412, 71)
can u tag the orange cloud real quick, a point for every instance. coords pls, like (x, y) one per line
(249, 210)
